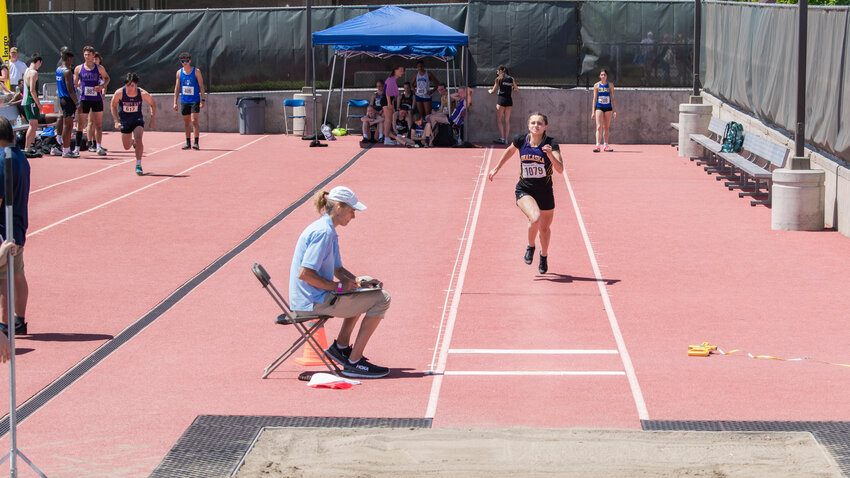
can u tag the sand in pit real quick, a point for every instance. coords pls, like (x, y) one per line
(524, 452)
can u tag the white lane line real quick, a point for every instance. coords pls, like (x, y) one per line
(637, 395)
(537, 373)
(533, 351)
(444, 339)
(45, 228)
(45, 188)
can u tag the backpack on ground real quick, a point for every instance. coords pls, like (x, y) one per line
(733, 138)
(444, 135)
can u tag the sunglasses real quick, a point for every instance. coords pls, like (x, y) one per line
(185, 61)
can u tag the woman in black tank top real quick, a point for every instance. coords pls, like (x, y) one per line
(505, 85)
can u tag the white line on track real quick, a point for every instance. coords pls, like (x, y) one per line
(444, 338)
(536, 373)
(643, 413)
(124, 196)
(533, 351)
(45, 188)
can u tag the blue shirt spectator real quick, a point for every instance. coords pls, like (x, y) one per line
(317, 249)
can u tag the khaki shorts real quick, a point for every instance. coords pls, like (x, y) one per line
(373, 303)
(19, 265)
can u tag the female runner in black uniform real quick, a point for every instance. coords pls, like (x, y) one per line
(539, 155)
(504, 85)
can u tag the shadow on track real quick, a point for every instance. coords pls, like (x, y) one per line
(566, 278)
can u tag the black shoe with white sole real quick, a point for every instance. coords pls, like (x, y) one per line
(363, 369)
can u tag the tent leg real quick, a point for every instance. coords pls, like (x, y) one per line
(316, 131)
(342, 95)
(448, 85)
(330, 90)
(465, 136)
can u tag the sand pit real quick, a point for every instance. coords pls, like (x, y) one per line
(524, 452)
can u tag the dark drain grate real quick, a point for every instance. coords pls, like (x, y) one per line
(834, 436)
(214, 445)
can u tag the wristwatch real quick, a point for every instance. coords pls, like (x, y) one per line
(339, 286)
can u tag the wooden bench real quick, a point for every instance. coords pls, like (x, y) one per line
(753, 167)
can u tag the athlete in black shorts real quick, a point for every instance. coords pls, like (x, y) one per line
(539, 155)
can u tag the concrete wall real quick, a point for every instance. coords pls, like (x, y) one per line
(837, 182)
(643, 115)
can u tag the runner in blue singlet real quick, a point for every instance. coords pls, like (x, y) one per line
(603, 110)
(189, 91)
(539, 155)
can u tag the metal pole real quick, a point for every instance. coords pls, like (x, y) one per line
(308, 57)
(342, 94)
(8, 199)
(330, 90)
(316, 131)
(697, 42)
(800, 136)
(465, 136)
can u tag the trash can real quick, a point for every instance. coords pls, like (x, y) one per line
(252, 114)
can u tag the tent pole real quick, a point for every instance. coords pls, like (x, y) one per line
(316, 131)
(342, 94)
(468, 95)
(330, 90)
(449, 86)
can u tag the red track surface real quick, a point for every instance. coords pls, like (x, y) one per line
(683, 261)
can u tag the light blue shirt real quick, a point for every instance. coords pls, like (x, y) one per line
(317, 249)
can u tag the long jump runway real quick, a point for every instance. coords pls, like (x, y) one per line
(144, 314)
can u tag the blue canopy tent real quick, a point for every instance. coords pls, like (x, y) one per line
(388, 31)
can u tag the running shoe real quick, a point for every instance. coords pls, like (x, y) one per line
(499, 140)
(338, 355)
(389, 142)
(544, 264)
(529, 254)
(363, 369)
(139, 170)
(20, 326)
(93, 148)
(101, 152)
(186, 146)
(196, 146)
(55, 151)
(609, 149)
(596, 149)
(71, 154)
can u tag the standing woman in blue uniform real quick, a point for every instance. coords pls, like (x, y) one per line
(505, 85)
(539, 154)
(603, 110)
(127, 111)
(189, 89)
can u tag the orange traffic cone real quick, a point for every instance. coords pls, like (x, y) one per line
(308, 357)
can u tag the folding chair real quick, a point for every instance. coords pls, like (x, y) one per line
(300, 322)
(292, 104)
(357, 104)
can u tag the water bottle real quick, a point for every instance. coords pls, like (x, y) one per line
(326, 130)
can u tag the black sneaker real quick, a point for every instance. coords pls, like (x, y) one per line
(20, 326)
(364, 369)
(338, 355)
(529, 255)
(544, 264)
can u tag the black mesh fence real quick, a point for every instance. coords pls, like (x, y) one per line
(559, 44)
